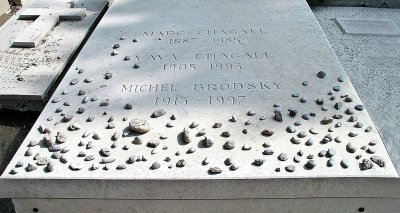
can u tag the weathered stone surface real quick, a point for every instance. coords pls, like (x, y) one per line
(36, 45)
(194, 71)
(364, 26)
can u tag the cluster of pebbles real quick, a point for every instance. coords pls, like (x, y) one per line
(58, 144)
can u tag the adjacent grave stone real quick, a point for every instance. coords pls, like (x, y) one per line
(37, 43)
(361, 26)
(204, 100)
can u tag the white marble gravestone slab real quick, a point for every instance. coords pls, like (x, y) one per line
(362, 26)
(193, 65)
(205, 72)
(37, 43)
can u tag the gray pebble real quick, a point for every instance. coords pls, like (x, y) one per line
(291, 129)
(336, 88)
(321, 74)
(81, 154)
(292, 112)
(373, 143)
(158, 113)
(194, 124)
(201, 132)
(290, 168)
(310, 142)
(181, 163)
(302, 134)
(205, 161)
(353, 134)
(132, 159)
(366, 164)
(298, 123)
(258, 162)
(191, 150)
(139, 126)
(208, 141)
(19, 164)
(351, 148)
(297, 159)
(295, 140)
(338, 105)
(322, 153)
(305, 117)
(368, 129)
(75, 166)
(246, 147)
(217, 125)
(319, 101)
(105, 152)
(311, 164)
(303, 99)
(371, 150)
(214, 170)
(234, 167)
(64, 159)
(345, 163)
(349, 111)
(248, 122)
(282, 157)
(107, 160)
(89, 158)
(326, 120)
(266, 144)
(268, 152)
(278, 116)
(153, 143)
(331, 152)
(295, 95)
(378, 160)
(330, 162)
(267, 132)
(359, 125)
(353, 118)
(121, 166)
(359, 107)
(229, 145)
(313, 131)
(226, 134)
(251, 112)
(115, 136)
(96, 136)
(228, 161)
(30, 167)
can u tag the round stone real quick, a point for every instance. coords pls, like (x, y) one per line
(282, 157)
(290, 168)
(345, 163)
(155, 165)
(311, 164)
(229, 145)
(351, 148)
(140, 126)
(331, 152)
(330, 162)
